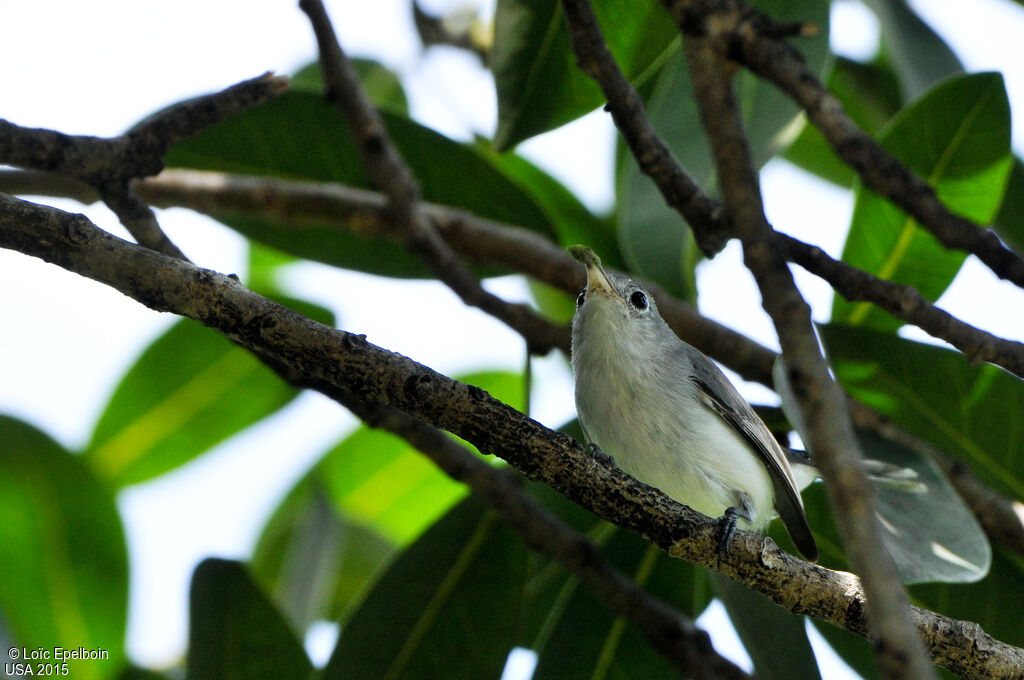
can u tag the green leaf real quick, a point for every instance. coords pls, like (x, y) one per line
(957, 137)
(377, 480)
(136, 673)
(765, 629)
(928, 530)
(573, 632)
(553, 302)
(985, 602)
(580, 637)
(314, 561)
(301, 136)
(654, 239)
(446, 608)
(962, 409)
(380, 83)
(570, 219)
(234, 632)
(64, 560)
(870, 95)
(930, 533)
(1009, 222)
(338, 527)
(264, 266)
(539, 85)
(919, 55)
(190, 390)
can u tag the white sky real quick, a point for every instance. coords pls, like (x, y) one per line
(97, 67)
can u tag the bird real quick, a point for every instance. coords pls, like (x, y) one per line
(668, 416)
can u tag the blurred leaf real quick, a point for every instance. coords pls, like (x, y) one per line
(555, 303)
(581, 638)
(64, 560)
(452, 574)
(381, 83)
(190, 390)
(928, 530)
(654, 239)
(234, 632)
(379, 481)
(1009, 222)
(957, 137)
(571, 630)
(329, 538)
(136, 673)
(539, 85)
(919, 55)
(766, 628)
(312, 560)
(446, 608)
(301, 136)
(962, 409)
(265, 264)
(987, 602)
(931, 534)
(870, 96)
(570, 219)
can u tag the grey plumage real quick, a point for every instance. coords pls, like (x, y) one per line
(669, 416)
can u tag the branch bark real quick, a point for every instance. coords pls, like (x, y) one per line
(899, 653)
(377, 376)
(487, 242)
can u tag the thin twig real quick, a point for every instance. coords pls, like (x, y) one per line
(110, 164)
(899, 652)
(907, 304)
(389, 172)
(752, 39)
(375, 375)
(651, 153)
(709, 222)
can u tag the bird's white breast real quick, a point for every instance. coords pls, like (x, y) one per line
(648, 416)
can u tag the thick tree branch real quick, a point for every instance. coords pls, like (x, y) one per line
(376, 376)
(755, 40)
(110, 164)
(898, 652)
(492, 243)
(389, 172)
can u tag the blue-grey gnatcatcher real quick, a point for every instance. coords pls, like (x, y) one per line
(668, 416)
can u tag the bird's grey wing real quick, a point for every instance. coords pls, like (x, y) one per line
(719, 395)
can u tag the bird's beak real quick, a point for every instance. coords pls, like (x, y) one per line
(597, 278)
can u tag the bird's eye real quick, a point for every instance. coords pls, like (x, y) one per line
(639, 300)
(580, 298)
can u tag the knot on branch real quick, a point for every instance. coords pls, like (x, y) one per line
(78, 229)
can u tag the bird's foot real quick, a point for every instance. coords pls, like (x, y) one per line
(595, 451)
(727, 528)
